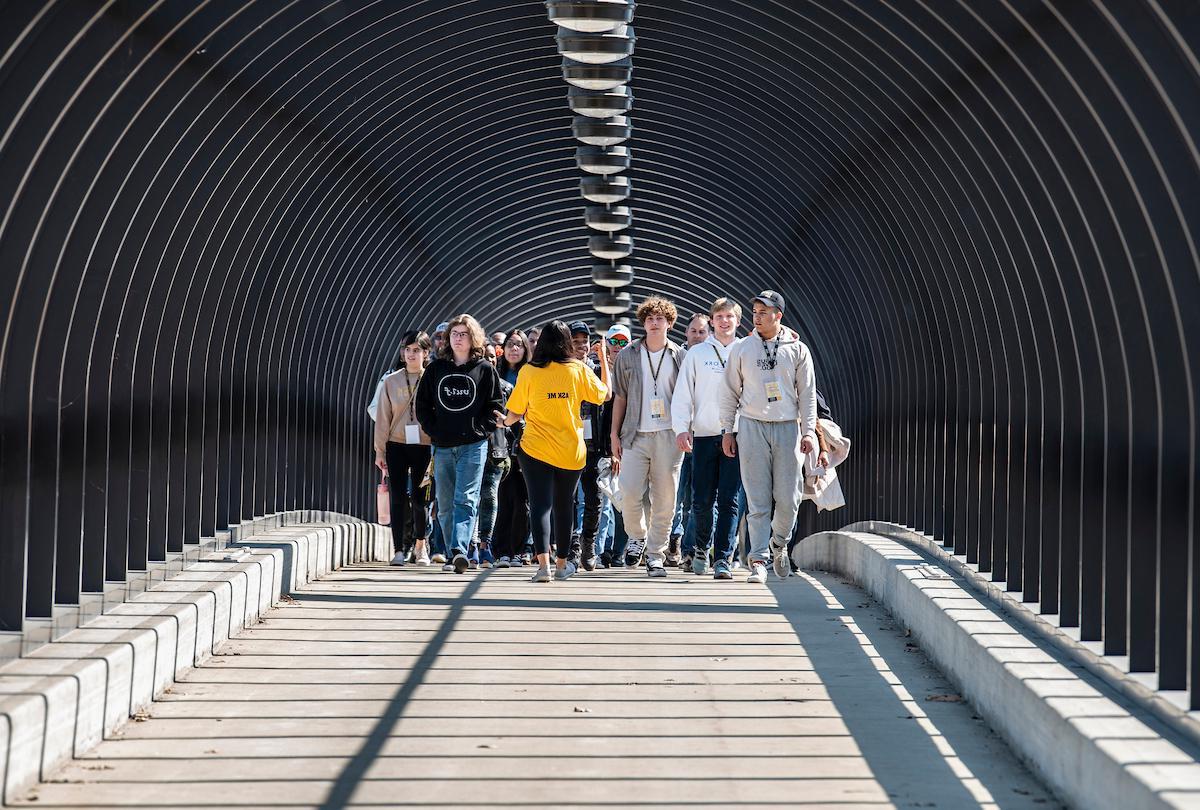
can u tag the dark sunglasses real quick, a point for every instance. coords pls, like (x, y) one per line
(618, 340)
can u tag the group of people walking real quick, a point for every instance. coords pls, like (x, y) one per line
(606, 452)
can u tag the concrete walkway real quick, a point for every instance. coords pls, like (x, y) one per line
(412, 688)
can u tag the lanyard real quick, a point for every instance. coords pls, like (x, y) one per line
(771, 355)
(717, 352)
(654, 371)
(412, 416)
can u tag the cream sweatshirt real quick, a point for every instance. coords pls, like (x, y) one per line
(396, 410)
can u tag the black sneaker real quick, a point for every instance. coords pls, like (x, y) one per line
(673, 550)
(685, 562)
(461, 563)
(634, 551)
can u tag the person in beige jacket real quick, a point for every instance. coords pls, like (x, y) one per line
(402, 449)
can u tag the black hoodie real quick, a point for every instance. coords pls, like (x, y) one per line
(455, 404)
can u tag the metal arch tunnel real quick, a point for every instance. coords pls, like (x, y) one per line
(219, 217)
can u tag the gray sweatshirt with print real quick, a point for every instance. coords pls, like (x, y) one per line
(749, 372)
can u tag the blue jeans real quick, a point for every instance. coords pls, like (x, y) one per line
(458, 472)
(605, 530)
(685, 520)
(716, 479)
(493, 471)
(577, 522)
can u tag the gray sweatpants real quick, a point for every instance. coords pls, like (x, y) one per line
(651, 463)
(771, 469)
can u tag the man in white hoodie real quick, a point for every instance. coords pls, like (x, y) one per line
(770, 379)
(696, 420)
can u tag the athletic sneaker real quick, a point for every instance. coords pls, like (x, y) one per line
(423, 558)
(448, 568)
(398, 559)
(438, 558)
(782, 563)
(566, 572)
(721, 570)
(634, 551)
(460, 564)
(673, 550)
(656, 570)
(541, 575)
(486, 560)
(736, 565)
(685, 562)
(758, 572)
(502, 562)
(700, 564)
(518, 561)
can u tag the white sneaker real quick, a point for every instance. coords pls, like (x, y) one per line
(424, 560)
(438, 558)
(448, 568)
(398, 559)
(758, 573)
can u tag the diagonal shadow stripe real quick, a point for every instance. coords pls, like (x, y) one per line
(356, 769)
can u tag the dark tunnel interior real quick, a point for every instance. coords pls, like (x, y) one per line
(219, 217)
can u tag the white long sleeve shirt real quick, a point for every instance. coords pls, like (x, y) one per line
(792, 391)
(696, 403)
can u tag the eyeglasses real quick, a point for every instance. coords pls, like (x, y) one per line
(513, 343)
(459, 333)
(618, 340)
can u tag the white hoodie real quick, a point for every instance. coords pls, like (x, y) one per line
(696, 402)
(747, 375)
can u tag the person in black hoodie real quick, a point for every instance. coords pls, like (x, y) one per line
(457, 404)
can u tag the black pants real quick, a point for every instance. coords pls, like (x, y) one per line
(551, 504)
(406, 465)
(589, 478)
(512, 513)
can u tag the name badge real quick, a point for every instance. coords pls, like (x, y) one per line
(412, 434)
(658, 408)
(587, 430)
(774, 392)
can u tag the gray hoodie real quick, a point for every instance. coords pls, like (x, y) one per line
(748, 374)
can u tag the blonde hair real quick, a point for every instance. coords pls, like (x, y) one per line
(657, 305)
(725, 304)
(478, 338)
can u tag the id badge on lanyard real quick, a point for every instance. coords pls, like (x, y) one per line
(658, 408)
(774, 391)
(412, 434)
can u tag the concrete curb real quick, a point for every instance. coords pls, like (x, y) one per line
(68, 695)
(1091, 747)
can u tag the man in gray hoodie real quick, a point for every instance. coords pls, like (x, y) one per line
(770, 377)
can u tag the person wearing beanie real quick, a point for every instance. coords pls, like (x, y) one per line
(583, 548)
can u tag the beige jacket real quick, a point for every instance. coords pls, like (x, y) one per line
(396, 410)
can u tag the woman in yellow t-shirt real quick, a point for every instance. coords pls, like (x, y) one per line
(548, 394)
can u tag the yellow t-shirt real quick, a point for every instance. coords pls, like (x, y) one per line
(550, 398)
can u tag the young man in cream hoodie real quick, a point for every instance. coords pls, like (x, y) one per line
(695, 418)
(770, 379)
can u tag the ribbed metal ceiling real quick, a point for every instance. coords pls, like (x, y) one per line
(219, 217)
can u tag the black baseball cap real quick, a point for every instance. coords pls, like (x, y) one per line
(769, 298)
(579, 328)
